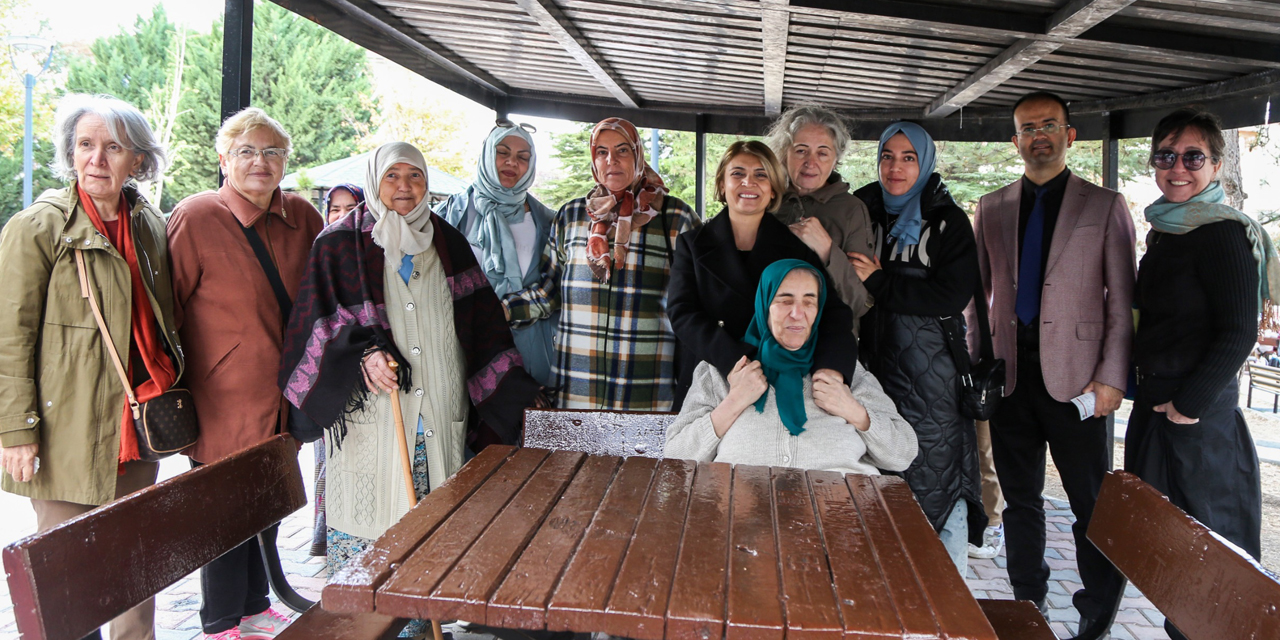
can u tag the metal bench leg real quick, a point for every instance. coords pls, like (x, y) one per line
(435, 630)
(275, 573)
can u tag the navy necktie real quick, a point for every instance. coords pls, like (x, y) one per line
(1028, 301)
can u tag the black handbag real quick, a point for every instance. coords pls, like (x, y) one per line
(164, 425)
(981, 383)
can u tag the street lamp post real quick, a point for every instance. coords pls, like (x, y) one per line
(29, 50)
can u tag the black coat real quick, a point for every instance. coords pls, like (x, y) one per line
(712, 296)
(905, 348)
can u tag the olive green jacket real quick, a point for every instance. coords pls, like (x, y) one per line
(58, 387)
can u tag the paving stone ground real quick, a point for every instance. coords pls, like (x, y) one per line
(177, 616)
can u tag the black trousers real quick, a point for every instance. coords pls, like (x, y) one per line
(1208, 469)
(234, 585)
(1027, 421)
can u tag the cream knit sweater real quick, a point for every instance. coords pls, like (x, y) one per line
(827, 442)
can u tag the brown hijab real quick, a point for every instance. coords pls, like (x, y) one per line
(620, 212)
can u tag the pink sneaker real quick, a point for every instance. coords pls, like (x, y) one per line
(230, 634)
(262, 626)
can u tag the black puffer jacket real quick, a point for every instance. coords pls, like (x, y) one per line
(904, 346)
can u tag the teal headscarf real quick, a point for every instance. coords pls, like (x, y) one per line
(1208, 207)
(784, 369)
(907, 206)
(498, 208)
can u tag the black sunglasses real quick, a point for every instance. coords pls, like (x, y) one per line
(503, 123)
(1164, 159)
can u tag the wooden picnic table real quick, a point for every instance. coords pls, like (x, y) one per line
(533, 539)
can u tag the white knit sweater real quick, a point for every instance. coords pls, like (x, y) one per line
(758, 438)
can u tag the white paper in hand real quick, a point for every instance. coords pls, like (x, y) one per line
(1085, 403)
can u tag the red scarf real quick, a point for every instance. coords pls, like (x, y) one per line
(145, 336)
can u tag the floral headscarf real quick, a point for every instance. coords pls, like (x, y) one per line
(620, 212)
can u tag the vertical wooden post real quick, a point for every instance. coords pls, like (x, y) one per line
(237, 59)
(700, 165)
(1110, 151)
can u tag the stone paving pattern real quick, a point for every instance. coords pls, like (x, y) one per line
(177, 616)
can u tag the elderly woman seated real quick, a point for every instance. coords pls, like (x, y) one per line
(772, 411)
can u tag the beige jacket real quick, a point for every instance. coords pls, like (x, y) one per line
(58, 387)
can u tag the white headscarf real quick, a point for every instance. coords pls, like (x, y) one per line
(398, 235)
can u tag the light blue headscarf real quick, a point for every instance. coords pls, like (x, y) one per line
(499, 208)
(1208, 207)
(907, 206)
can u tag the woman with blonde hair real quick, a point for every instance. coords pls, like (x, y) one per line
(238, 257)
(718, 267)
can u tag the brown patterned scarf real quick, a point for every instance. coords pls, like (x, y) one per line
(620, 212)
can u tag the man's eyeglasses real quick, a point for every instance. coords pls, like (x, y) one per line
(271, 154)
(503, 123)
(1048, 130)
(1193, 160)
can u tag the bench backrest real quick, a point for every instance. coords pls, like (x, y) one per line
(1199, 581)
(72, 579)
(1263, 375)
(608, 433)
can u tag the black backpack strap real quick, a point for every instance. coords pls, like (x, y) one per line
(268, 267)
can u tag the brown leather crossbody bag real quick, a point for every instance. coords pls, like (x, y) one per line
(165, 425)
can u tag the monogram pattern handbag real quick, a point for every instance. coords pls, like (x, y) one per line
(165, 425)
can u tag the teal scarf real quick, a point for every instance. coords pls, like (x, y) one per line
(784, 369)
(1207, 208)
(499, 208)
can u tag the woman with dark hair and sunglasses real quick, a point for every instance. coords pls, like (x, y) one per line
(1207, 271)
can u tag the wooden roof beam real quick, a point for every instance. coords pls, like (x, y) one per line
(418, 43)
(558, 26)
(775, 23)
(1068, 22)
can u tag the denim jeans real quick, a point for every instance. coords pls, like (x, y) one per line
(955, 536)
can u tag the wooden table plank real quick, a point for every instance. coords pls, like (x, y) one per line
(579, 601)
(405, 594)
(755, 604)
(697, 606)
(464, 593)
(808, 598)
(351, 590)
(638, 606)
(521, 600)
(957, 613)
(908, 595)
(865, 604)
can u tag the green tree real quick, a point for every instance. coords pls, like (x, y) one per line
(310, 79)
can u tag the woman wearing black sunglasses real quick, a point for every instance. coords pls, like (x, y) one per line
(1207, 270)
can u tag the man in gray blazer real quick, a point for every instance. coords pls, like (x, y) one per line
(1057, 260)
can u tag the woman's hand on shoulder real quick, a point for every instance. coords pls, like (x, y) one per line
(746, 383)
(378, 376)
(832, 395)
(863, 265)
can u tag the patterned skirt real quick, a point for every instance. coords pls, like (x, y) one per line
(342, 547)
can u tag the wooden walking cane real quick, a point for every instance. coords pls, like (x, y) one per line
(406, 463)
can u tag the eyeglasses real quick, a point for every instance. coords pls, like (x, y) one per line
(1193, 160)
(503, 123)
(247, 154)
(1048, 130)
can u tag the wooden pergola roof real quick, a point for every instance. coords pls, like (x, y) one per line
(729, 66)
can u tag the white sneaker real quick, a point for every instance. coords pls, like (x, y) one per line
(992, 543)
(263, 626)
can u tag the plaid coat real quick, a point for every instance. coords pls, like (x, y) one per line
(615, 349)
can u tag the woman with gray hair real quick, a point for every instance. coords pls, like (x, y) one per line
(67, 438)
(810, 141)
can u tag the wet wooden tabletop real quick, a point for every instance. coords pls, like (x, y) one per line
(651, 549)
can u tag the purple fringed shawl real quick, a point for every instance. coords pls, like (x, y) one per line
(341, 311)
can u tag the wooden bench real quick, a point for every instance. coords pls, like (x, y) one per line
(1016, 620)
(1203, 584)
(70, 580)
(602, 433)
(1264, 378)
